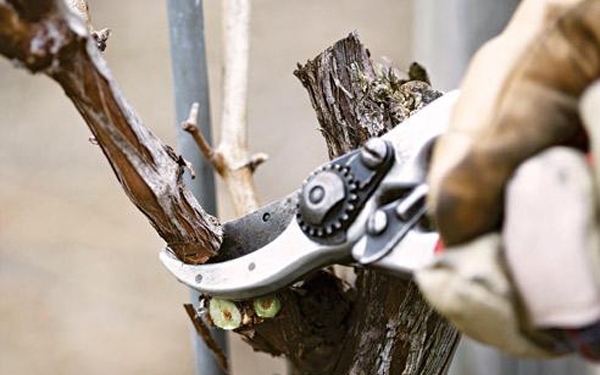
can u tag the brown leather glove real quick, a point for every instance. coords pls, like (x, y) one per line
(509, 289)
(519, 97)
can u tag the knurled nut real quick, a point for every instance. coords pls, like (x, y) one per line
(351, 196)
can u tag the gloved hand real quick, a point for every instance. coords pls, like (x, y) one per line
(520, 96)
(508, 289)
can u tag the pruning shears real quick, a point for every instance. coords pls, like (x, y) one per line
(366, 207)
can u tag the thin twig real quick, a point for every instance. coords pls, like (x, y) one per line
(236, 28)
(191, 126)
(256, 160)
(204, 332)
(231, 158)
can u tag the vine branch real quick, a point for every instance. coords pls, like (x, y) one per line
(45, 37)
(204, 332)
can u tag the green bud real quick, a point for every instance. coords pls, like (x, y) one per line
(224, 314)
(267, 307)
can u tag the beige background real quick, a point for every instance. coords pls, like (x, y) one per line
(81, 290)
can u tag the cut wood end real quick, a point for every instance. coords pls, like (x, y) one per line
(193, 116)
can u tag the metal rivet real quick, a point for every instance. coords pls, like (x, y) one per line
(198, 278)
(316, 194)
(373, 153)
(251, 266)
(377, 223)
(321, 195)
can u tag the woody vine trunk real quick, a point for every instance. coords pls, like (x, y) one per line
(390, 328)
(378, 325)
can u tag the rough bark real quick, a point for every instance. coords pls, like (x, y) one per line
(381, 325)
(378, 326)
(391, 330)
(44, 36)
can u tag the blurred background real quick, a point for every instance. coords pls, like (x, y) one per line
(82, 291)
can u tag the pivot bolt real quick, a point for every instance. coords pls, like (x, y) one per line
(320, 196)
(316, 194)
(373, 153)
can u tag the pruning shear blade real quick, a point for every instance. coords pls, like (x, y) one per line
(366, 206)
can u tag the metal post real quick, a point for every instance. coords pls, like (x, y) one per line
(447, 33)
(190, 79)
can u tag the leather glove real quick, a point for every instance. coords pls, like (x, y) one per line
(507, 289)
(520, 96)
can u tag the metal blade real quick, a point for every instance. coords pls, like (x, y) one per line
(279, 263)
(267, 250)
(255, 230)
